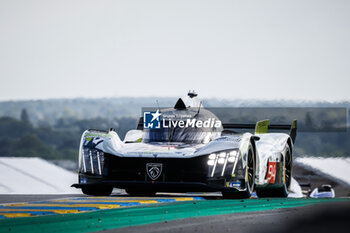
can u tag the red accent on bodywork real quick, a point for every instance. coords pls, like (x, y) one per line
(169, 147)
(271, 173)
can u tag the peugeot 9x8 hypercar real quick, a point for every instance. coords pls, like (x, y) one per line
(188, 149)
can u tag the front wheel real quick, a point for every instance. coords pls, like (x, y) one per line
(249, 180)
(97, 190)
(282, 191)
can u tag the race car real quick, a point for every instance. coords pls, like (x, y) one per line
(324, 191)
(186, 148)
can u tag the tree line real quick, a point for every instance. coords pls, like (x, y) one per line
(60, 139)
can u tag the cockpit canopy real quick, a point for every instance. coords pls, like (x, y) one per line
(186, 124)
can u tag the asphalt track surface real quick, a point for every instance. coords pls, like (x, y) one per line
(325, 218)
(166, 213)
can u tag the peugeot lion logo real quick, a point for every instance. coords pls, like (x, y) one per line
(154, 170)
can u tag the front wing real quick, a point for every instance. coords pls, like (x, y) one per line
(160, 174)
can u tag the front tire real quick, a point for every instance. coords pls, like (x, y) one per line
(249, 178)
(282, 191)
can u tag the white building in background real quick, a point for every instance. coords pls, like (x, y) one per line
(20, 175)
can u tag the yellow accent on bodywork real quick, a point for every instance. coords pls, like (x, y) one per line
(139, 140)
(262, 126)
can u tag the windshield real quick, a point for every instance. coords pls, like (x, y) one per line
(192, 126)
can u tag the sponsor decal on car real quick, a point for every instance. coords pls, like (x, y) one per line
(93, 141)
(271, 172)
(90, 136)
(235, 184)
(83, 180)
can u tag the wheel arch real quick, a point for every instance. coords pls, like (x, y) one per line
(256, 158)
(290, 144)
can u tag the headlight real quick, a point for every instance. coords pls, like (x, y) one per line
(222, 156)
(221, 160)
(212, 156)
(92, 161)
(211, 162)
(231, 159)
(233, 153)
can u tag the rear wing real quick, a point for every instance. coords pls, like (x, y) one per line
(264, 126)
(260, 127)
(139, 125)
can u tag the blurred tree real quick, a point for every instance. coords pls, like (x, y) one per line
(13, 128)
(25, 116)
(309, 123)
